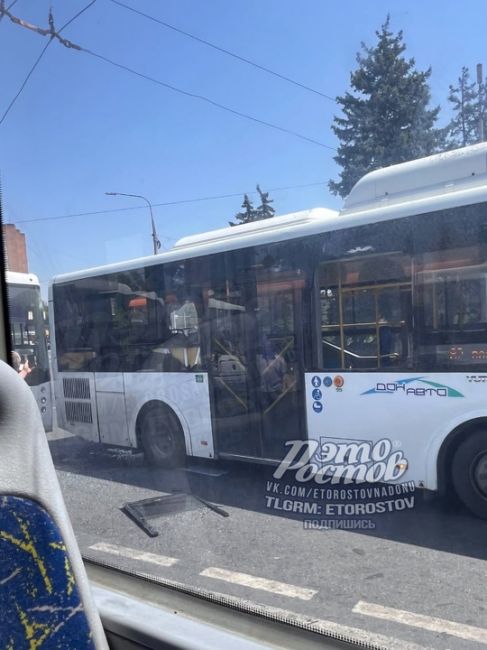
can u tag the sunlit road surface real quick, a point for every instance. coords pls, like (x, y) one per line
(416, 581)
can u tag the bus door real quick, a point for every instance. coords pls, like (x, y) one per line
(256, 349)
(232, 333)
(279, 360)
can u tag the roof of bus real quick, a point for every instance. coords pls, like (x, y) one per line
(430, 176)
(287, 226)
(437, 182)
(22, 278)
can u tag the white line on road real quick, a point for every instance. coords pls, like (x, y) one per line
(134, 554)
(431, 623)
(255, 582)
(317, 625)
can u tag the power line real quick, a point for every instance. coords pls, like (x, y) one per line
(168, 86)
(8, 8)
(52, 35)
(165, 204)
(81, 11)
(202, 98)
(24, 83)
(43, 31)
(224, 51)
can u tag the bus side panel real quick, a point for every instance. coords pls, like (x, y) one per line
(414, 412)
(110, 406)
(188, 396)
(76, 404)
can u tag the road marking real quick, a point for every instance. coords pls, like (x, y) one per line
(255, 582)
(134, 554)
(430, 623)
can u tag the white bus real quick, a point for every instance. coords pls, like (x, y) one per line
(365, 325)
(28, 338)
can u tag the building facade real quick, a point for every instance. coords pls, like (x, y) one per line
(15, 249)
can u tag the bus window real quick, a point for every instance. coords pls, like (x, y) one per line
(365, 308)
(182, 347)
(125, 323)
(451, 301)
(183, 344)
(27, 333)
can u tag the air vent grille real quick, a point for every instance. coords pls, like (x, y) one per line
(76, 387)
(78, 412)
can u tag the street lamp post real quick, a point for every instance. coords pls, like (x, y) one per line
(155, 240)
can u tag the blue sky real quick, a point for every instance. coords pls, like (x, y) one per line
(82, 128)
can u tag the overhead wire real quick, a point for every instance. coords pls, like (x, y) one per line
(164, 204)
(76, 16)
(203, 98)
(24, 83)
(223, 50)
(8, 8)
(39, 58)
(163, 84)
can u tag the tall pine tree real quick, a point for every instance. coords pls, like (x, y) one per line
(468, 101)
(386, 118)
(248, 213)
(265, 209)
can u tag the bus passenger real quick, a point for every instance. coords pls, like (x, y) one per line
(22, 369)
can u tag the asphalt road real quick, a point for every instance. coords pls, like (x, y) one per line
(416, 580)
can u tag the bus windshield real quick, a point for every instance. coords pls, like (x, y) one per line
(28, 336)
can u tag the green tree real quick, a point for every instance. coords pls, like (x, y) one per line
(386, 116)
(463, 127)
(468, 102)
(247, 215)
(265, 209)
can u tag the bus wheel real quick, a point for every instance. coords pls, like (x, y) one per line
(469, 473)
(162, 439)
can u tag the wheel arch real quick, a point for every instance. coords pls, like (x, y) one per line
(157, 404)
(449, 446)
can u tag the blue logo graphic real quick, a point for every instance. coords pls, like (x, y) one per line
(316, 381)
(426, 389)
(317, 394)
(317, 407)
(328, 381)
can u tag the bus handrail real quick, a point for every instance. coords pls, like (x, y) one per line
(391, 355)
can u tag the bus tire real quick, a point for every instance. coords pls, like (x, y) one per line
(469, 473)
(162, 439)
